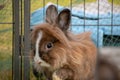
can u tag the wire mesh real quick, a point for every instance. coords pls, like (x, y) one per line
(105, 24)
(98, 14)
(101, 17)
(6, 39)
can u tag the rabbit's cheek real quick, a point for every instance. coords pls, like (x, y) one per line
(44, 57)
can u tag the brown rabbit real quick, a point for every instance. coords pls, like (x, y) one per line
(60, 54)
(107, 70)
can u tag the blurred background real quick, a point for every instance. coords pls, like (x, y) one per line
(101, 17)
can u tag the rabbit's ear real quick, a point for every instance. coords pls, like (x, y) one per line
(51, 14)
(63, 19)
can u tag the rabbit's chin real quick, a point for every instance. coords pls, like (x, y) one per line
(39, 67)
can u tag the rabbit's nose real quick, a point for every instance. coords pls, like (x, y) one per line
(39, 62)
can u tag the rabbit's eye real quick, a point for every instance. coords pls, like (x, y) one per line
(49, 45)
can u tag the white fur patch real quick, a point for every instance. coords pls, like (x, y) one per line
(37, 59)
(55, 77)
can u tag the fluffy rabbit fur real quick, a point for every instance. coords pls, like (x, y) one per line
(60, 54)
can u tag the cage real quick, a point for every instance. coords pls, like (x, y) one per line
(18, 17)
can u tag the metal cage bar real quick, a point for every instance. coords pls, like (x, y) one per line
(112, 23)
(16, 41)
(26, 39)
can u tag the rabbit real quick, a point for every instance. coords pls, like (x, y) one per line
(107, 70)
(108, 63)
(60, 54)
